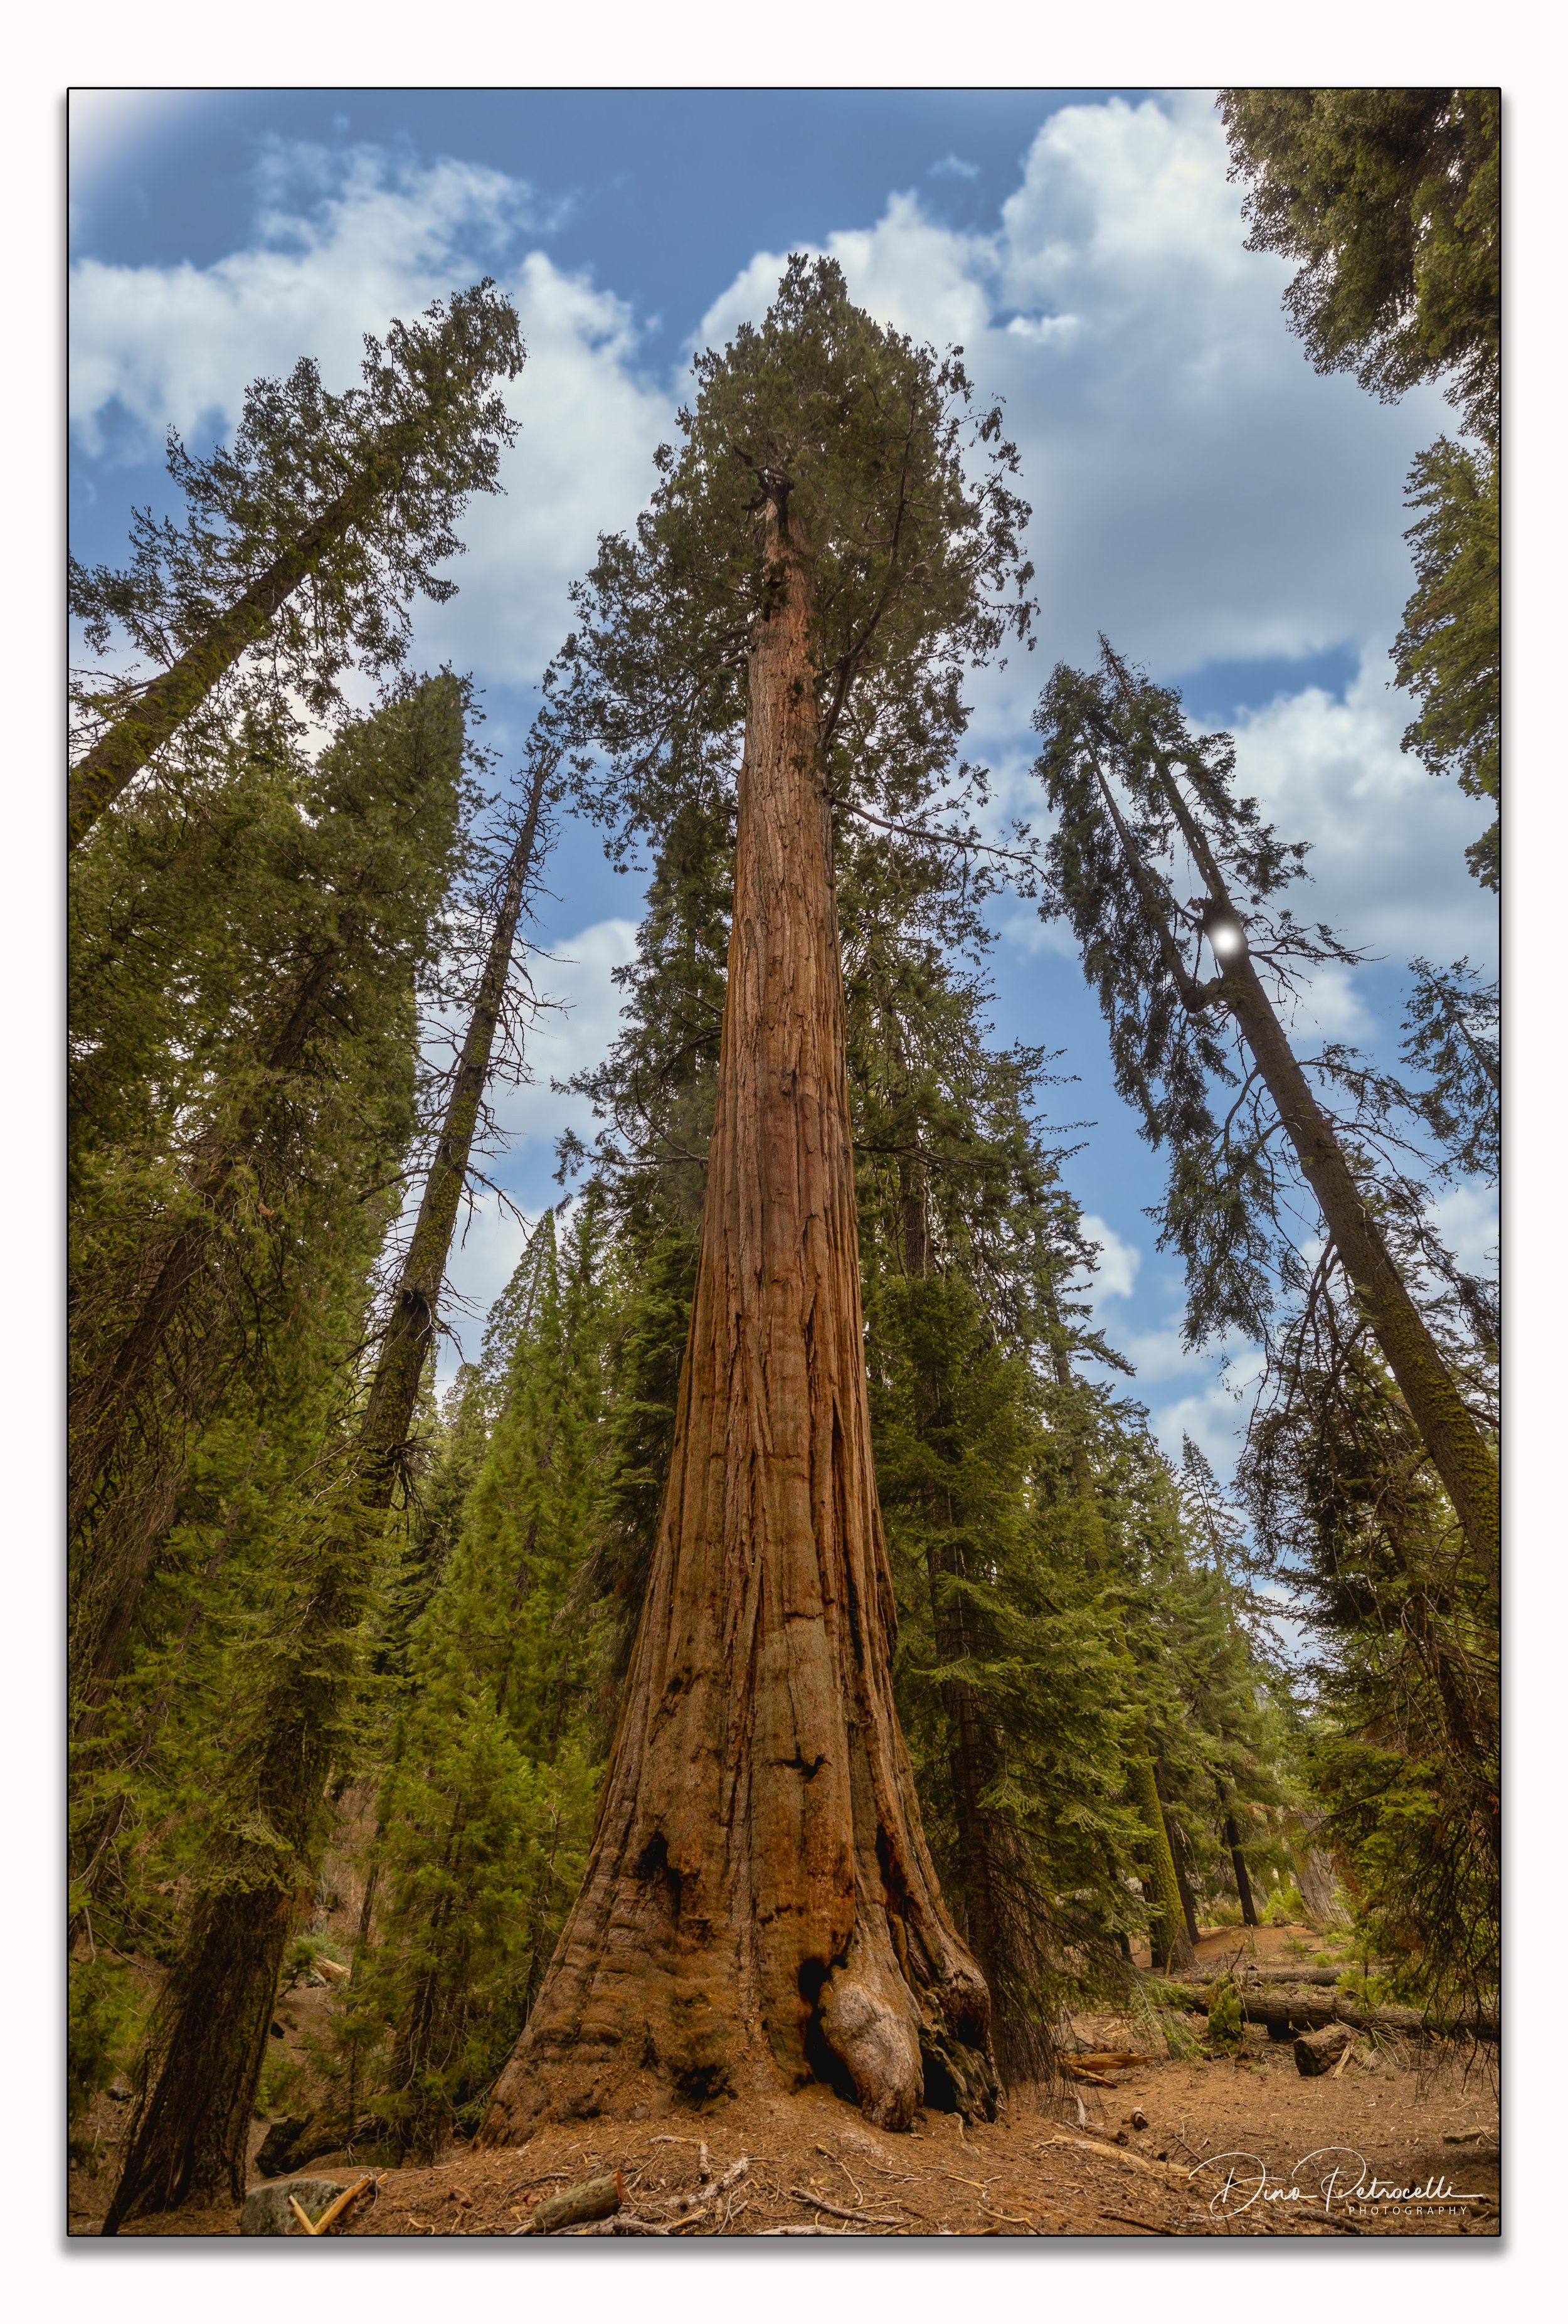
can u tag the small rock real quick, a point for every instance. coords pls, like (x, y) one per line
(1316, 2053)
(267, 2212)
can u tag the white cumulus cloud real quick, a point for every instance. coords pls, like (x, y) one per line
(343, 245)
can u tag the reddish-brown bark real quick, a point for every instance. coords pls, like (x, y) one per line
(760, 1907)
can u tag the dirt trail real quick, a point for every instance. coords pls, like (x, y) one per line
(1404, 2119)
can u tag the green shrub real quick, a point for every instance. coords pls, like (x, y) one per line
(1225, 2020)
(1285, 1904)
(102, 2013)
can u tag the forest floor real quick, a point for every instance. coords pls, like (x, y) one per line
(1406, 2138)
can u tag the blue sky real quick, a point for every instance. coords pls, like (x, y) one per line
(1224, 515)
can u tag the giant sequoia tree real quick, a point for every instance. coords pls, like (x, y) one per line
(759, 1906)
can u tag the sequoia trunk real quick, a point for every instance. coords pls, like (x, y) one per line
(760, 1908)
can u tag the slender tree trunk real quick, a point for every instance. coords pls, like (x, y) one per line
(1168, 1942)
(189, 2131)
(1458, 1452)
(412, 1331)
(1169, 1945)
(760, 1908)
(1238, 1861)
(97, 779)
(1172, 1841)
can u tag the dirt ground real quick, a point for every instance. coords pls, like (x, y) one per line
(1404, 2141)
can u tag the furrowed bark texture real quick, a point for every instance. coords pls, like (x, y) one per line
(760, 1908)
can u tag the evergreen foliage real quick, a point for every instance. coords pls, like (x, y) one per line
(243, 1090)
(898, 492)
(485, 1812)
(1107, 1739)
(354, 495)
(1392, 200)
(1451, 1035)
(1404, 1747)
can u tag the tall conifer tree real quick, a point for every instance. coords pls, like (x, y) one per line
(760, 1905)
(303, 542)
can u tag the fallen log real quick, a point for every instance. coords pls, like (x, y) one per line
(1304, 2012)
(1315, 2054)
(590, 2198)
(1245, 1973)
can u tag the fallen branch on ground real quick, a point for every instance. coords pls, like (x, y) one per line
(337, 2209)
(590, 2198)
(838, 2210)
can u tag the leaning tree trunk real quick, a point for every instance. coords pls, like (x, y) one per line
(1458, 1452)
(760, 1908)
(168, 700)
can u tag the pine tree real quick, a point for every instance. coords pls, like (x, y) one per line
(1406, 1750)
(1136, 788)
(188, 2134)
(487, 1811)
(355, 495)
(1392, 200)
(242, 1023)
